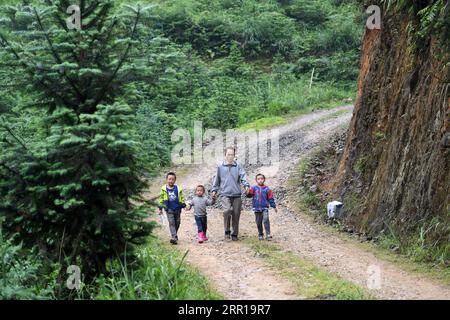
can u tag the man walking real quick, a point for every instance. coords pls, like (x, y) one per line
(227, 182)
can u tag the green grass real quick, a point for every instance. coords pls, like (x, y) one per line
(411, 261)
(321, 103)
(157, 273)
(310, 281)
(264, 123)
(302, 166)
(161, 274)
(286, 99)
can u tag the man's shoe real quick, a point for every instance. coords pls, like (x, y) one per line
(234, 238)
(173, 241)
(227, 235)
(260, 237)
(269, 237)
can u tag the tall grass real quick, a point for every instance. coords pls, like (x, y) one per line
(294, 97)
(429, 243)
(158, 274)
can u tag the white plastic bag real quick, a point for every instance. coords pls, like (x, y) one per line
(334, 209)
(163, 219)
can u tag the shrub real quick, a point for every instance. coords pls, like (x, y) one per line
(22, 273)
(267, 34)
(308, 13)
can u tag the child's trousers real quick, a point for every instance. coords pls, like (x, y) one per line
(202, 223)
(174, 218)
(262, 217)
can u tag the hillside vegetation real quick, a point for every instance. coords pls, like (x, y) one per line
(85, 115)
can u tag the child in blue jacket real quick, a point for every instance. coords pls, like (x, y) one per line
(262, 199)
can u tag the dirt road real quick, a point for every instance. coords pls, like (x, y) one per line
(232, 266)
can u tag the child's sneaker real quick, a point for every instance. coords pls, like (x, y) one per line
(200, 237)
(269, 237)
(205, 238)
(260, 237)
(227, 235)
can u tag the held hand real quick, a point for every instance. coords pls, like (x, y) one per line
(214, 195)
(160, 212)
(247, 190)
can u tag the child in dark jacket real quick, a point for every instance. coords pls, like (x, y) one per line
(262, 199)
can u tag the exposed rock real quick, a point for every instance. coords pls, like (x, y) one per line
(395, 164)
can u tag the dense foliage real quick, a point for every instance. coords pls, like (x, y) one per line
(68, 175)
(84, 115)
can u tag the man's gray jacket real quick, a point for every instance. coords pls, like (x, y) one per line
(228, 178)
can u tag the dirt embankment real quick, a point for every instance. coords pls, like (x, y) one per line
(395, 165)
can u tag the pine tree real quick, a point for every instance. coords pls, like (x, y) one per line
(69, 171)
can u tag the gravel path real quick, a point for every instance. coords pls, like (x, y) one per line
(232, 267)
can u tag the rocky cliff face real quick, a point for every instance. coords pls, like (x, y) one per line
(394, 172)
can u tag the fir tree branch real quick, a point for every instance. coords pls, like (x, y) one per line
(90, 9)
(4, 43)
(106, 40)
(103, 12)
(16, 173)
(57, 57)
(121, 62)
(61, 22)
(11, 133)
(63, 25)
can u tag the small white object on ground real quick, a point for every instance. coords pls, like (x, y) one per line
(334, 209)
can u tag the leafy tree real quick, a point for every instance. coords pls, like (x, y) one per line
(67, 182)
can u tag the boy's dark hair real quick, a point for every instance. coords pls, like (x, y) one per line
(171, 174)
(260, 175)
(201, 186)
(230, 148)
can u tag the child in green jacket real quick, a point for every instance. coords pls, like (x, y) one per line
(171, 199)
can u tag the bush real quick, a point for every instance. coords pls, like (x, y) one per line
(267, 34)
(340, 67)
(262, 28)
(308, 13)
(22, 273)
